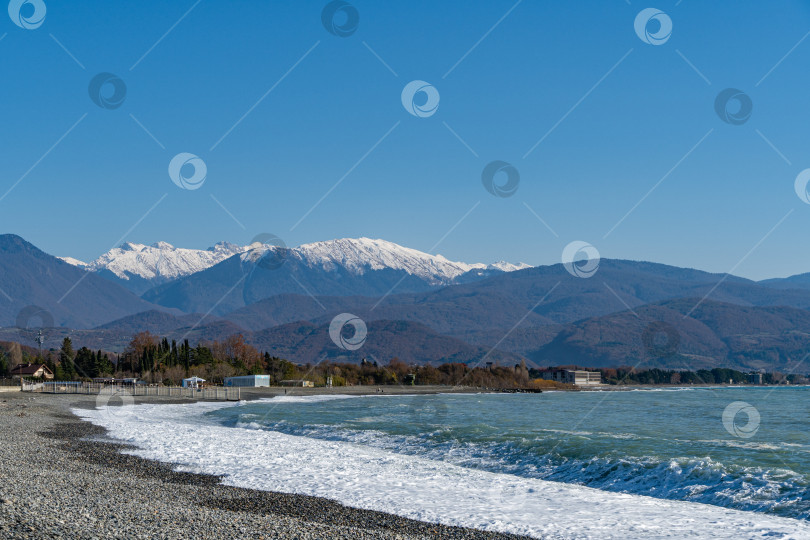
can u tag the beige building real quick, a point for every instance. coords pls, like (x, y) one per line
(33, 371)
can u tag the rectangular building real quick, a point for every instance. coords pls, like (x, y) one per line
(253, 381)
(298, 382)
(571, 376)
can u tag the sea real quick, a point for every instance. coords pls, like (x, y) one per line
(695, 462)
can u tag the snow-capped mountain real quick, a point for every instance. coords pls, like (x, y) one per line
(361, 255)
(74, 262)
(140, 267)
(338, 268)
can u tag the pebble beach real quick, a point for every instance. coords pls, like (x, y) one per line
(62, 477)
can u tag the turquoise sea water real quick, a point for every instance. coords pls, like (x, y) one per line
(667, 443)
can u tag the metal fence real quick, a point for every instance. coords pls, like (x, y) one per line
(72, 387)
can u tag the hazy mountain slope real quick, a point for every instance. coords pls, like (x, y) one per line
(301, 341)
(799, 281)
(452, 316)
(411, 342)
(523, 299)
(73, 297)
(156, 322)
(715, 334)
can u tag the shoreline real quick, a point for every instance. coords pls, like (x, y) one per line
(51, 458)
(90, 489)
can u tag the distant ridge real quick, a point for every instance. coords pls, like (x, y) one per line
(418, 307)
(140, 267)
(72, 296)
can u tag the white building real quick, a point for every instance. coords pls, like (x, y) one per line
(253, 381)
(193, 382)
(573, 376)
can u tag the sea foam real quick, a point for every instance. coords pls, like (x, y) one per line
(416, 487)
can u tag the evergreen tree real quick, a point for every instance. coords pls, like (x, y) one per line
(186, 356)
(86, 363)
(203, 356)
(50, 363)
(106, 365)
(66, 356)
(145, 364)
(174, 354)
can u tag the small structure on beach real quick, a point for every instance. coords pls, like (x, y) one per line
(253, 381)
(298, 382)
(33, 371)
(193, 382)
(576, 377)
(113, 381)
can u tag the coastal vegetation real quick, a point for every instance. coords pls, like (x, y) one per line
(627, 375)
(158, 360)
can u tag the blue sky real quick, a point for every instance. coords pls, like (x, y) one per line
(617, 116)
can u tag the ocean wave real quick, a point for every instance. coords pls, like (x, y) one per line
(570, 460)
(426, 489)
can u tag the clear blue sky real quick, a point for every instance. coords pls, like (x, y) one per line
(416, 185)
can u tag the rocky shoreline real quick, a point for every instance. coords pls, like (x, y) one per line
(61, 477)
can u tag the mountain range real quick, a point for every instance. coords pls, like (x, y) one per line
(418, 307)
(139, 267)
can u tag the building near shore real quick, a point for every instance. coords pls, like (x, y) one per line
(194, 382)
(298, 382)
(755, 378)
(576, 377)
(33, 371)
(253, 381)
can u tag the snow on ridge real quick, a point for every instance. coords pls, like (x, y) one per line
(73, 262)
(359, 255)
(163, 261)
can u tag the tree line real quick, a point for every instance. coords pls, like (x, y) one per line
(657, 376)
(158, 360)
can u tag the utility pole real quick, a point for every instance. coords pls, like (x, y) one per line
(40, 340)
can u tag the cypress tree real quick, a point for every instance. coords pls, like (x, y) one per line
(186, 356)
(66, 359)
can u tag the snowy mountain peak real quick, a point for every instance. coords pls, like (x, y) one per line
(162, 262)
(226, 246)
(504, 266)
(360, 255)
(159, 262)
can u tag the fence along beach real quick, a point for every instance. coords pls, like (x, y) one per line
(91, 388)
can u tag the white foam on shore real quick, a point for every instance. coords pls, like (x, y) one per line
(415, 487)
(306, 399)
